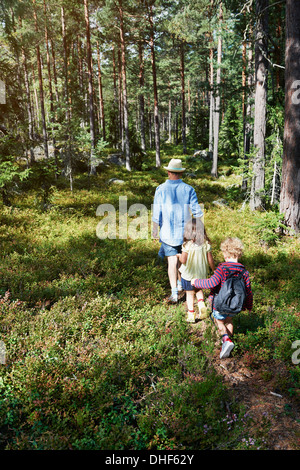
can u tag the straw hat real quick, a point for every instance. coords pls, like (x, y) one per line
(175, 165)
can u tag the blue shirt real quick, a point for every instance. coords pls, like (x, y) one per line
(174, 204)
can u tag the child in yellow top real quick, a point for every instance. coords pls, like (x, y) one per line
(196, 257)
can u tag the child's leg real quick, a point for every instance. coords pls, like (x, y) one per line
(201, 305)
(225, 328)
(229, 325)
(199, 295)
(190, 305)
(221, 327)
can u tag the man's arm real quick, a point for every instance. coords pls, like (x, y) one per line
(155, 230)
(194, 205)
(156, 215)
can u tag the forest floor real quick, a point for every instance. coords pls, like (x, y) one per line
(96, 358)
(259, 396)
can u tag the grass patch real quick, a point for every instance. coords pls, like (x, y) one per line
(95, 359)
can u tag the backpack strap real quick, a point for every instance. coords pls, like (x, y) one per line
(238, 274)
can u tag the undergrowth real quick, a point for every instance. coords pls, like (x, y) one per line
(94, 359)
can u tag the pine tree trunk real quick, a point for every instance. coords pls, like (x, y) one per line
(260, 118)
(35, 106)
(156, 112)
(124, 86)
(141, 95)
(28, 104)
(150, 124)
(211, 93)
(80, 67)
(248, 113)
(115, 118)
(40, 76)
(90, 87)
(52, 119)
(217, 110)
(54, 70)
(170, 118)
(29, 108)
(120, 104)
(101, 102)
(290, 186)
(68, 170)
(183, 97)
(176, 122)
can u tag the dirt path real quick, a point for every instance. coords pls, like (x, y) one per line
(264, 403)
(275, 414)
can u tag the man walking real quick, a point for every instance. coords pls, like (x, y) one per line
(174, 204)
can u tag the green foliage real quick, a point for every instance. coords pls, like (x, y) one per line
(270, 227)
(95, 359)
(11, 172)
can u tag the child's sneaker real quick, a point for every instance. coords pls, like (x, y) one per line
(227, 347)
(202, 310)
(173, 299)
(190, 317)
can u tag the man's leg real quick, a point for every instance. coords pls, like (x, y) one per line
(172, 272)
(173, 262)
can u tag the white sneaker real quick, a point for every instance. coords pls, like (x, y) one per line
(173, 299)
(191, 317)
(202, 310)
(227, 347)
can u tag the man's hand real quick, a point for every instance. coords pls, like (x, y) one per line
(155, 230)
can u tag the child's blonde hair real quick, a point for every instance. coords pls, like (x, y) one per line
(232, 247)
(194, 230)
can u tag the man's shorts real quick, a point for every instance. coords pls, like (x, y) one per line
(221, 316)
(168, 250)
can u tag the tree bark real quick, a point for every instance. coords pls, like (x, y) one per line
(68, 170)
(29, 107)
(183, 97)
(101, 102)
(54, 70)
(40, 76)
(121, 107)
(211, 102)
(90, 87)
(115, 118)
(156, 112)
(260, 117)
(290, 186)
(211, 93)
(248, 112)
(170, 116)
(124, 85)
(141, 95)
(217, 110)
(52, 120)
